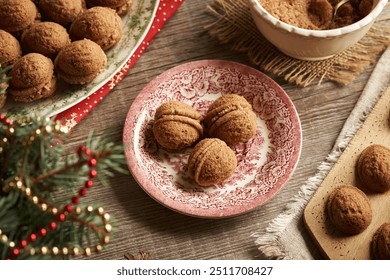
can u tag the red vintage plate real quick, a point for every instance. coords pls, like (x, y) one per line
(265, 163)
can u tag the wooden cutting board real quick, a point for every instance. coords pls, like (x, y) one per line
(334, 245)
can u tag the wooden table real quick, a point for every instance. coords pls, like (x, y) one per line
(143, 224)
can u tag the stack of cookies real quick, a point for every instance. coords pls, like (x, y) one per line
(229, 120)
(64, 39)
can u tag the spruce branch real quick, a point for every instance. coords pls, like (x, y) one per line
(40, 212)
(68, 167)
(3, 84)
(4, 79)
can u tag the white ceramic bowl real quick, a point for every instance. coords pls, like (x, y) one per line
(311, 44)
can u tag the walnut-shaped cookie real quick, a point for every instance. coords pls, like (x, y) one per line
(211, 162)
(177, 125)
(380, 243)
(231, 119)
(349, 209)
(373, 168)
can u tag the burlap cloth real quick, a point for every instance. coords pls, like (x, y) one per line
(234, 25)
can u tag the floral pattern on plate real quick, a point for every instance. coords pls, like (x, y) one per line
(135, 26)
(265, 163)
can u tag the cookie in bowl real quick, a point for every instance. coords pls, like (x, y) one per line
(349, 209)
(177, 125)
(231, 119)
(211, 162)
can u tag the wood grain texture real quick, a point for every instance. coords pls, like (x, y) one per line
(375, 130)
(142, 224)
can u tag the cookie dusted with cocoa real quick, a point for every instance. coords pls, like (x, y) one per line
(320, 13)
(349, 209)
(17, 15)
(46, 38)
(121, 7)
(10, 49)
(63, 12)
(80, 62)
(231, 119)
(32, 78)
(380, 243)
(177, 125)
(211, 162)
(373, 168)
(99, 24)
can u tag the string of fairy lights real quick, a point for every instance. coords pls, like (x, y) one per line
(70, 211)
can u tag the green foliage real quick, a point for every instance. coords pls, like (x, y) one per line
(4, 79)
(33, 155)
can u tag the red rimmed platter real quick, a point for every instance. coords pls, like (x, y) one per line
(265, 163)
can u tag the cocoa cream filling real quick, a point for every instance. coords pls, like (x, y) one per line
(230, 116)
(196, 162)
(181, 119)
(181, 112)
